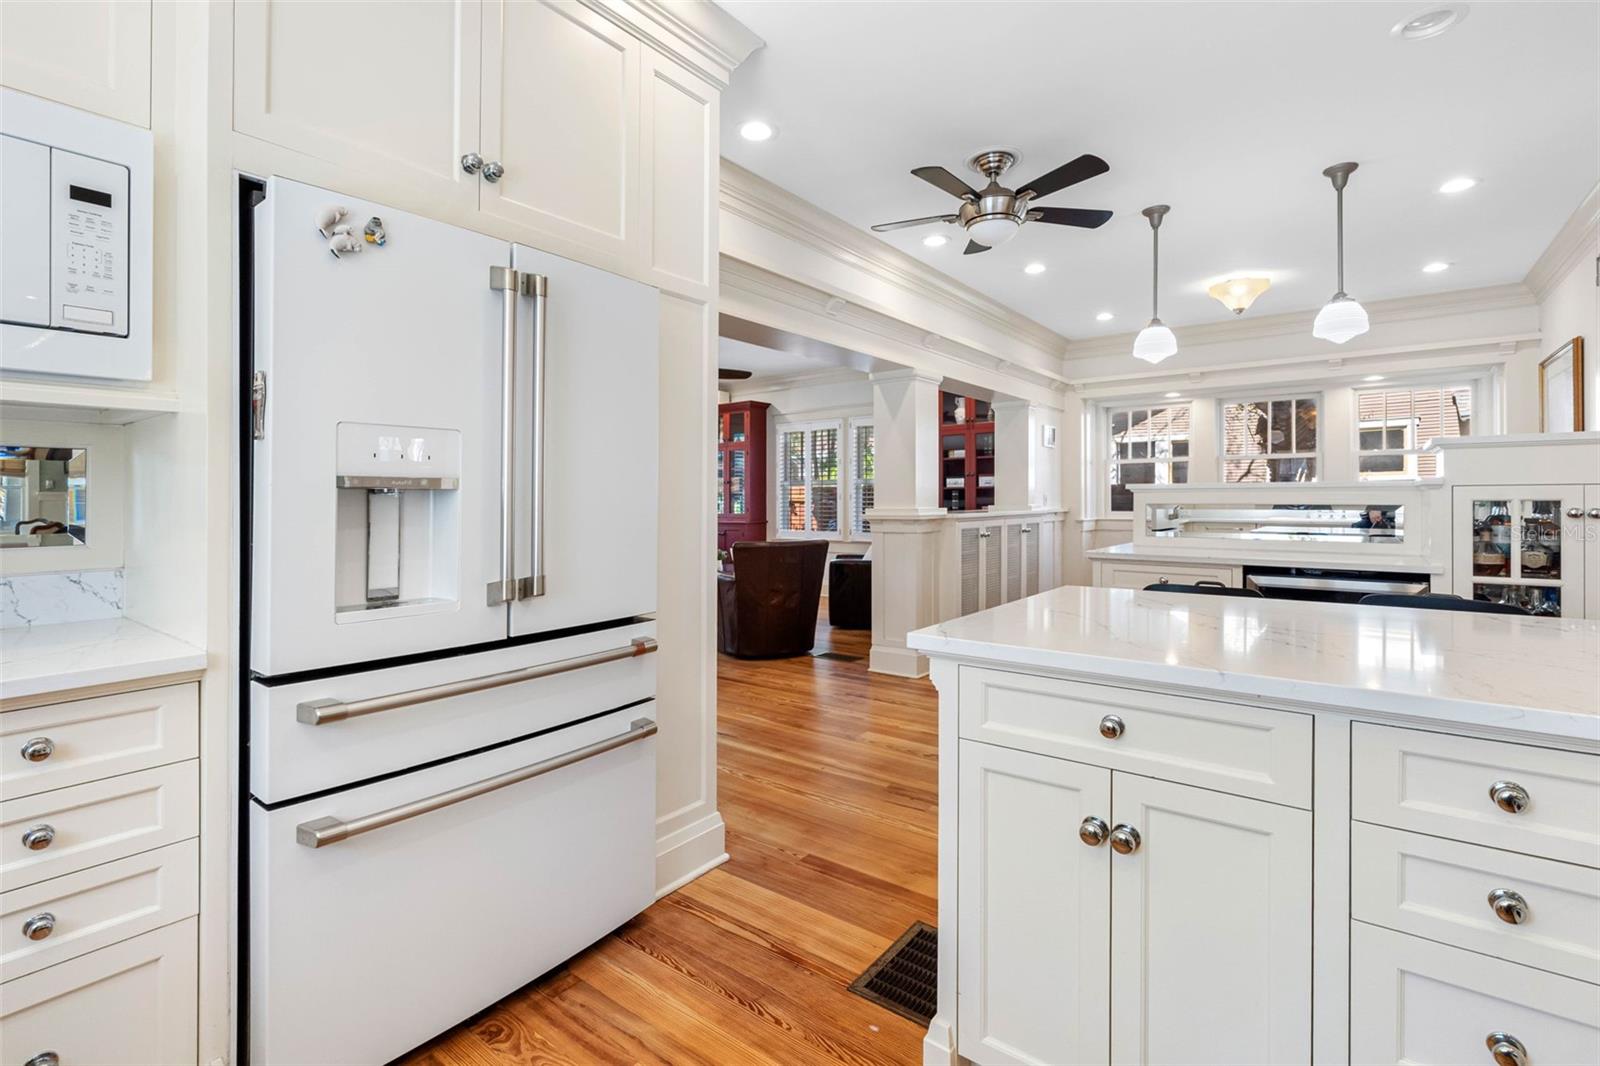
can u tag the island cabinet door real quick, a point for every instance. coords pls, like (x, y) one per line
(1211, 927)
(1034, 944)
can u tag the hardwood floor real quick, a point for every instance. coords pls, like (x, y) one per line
(827, 781)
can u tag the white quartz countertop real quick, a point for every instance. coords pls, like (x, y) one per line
(37, 660)
(1534, 675)
(1216, 553)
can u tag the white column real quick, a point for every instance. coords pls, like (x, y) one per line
(906, 517)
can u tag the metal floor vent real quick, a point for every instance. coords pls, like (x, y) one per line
(837, 656)
(905, 978)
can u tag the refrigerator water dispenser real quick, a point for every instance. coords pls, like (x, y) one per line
(398, 545)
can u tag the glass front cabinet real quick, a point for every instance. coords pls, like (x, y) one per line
(966, 453)
(1524, 545)
(741, 473)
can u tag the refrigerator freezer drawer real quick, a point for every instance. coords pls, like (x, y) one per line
(367, 945)
(310, 736)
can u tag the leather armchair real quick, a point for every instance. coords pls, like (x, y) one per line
(850, 592)
(767, 608)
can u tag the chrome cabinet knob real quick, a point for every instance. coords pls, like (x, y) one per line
(1163, 581)
(1125, 840)
(1509, 906)
(1509, 796)
(1594, 512)
(1027, 529)
(1093, 832)
(39, 837)
(1506, 1049)
(1111, 727)
(44, 1058)
(1574, 512)
(984, 534)
(39, 926)
(38, 749)
(493, 172)
(472, 162)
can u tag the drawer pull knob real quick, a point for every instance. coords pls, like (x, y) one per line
(1163, 581)
(1574, 512)
(493, 172)
(1093, 831)
(39, 837)
(1506, 1049)
(1509, 906)
(472, 162)
(1509, 796)
(1125, 840)
(39, 926)
(1594, 512)
(38, 749)
(1111, 726)
(44, 1058)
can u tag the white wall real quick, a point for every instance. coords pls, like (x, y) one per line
(1571, 308)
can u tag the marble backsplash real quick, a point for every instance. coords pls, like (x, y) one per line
(78, 596)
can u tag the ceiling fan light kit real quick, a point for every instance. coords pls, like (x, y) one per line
(1237, 294)
(1341, 318)
(1155, 342)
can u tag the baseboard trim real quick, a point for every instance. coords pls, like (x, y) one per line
(939, 1047)
(901, 662)
(685, 854)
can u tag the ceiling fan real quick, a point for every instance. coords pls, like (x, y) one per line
(727, 373)
(993, 216)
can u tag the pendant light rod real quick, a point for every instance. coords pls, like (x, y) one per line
(1339, 174)
(1155, 213)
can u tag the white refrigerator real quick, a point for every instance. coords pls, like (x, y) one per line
(450, 583)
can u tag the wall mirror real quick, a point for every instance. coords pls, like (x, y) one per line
(44, 496)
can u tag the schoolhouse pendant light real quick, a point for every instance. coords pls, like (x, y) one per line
(1155, 342)
(1341, 317)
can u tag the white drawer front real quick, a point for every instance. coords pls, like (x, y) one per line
(1441, 889)
(98, 738)
(80, 912)
(1414, 1001)
(290, 758)
(98, 822)
(1138, 575)
(130, 1004)
(1248, 751)
(1440, 784)
(421, 923)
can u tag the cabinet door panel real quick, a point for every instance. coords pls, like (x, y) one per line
(1591, 544)
(679, 183)
(1521, 544)
(1211, 918)
(561, 114)
(387, 89)
(1033, 941)
(89, 55)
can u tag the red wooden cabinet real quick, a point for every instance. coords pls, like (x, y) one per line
(966, 452)
(741, 472)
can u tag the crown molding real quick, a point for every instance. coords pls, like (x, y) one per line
(1573, 241)
(697, 33)
(745, 195)
(1298, 323)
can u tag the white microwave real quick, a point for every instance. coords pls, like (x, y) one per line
(75, 242)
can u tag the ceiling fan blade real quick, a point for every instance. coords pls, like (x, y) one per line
(1069, 216)
(943, 179)
(973, 247)
(884, 227)
(1080, 169)
(729, 374)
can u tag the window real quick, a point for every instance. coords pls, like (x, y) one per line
(1149, 446)
(1392, 425)
(862, 459)
(1270, 440)
(808, 478)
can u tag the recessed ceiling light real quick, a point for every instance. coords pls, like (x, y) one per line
(1373, 377)
(756, 130)
(935, 240)
(1429, 23)
(1033, 268)
(1104, 316)
(1435, 267)
(1455, 185)
(1173, 395)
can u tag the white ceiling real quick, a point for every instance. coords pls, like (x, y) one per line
(1226, 111)
(765, 363)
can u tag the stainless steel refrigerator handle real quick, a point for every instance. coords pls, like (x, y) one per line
(321, 832)
(321, 712)
(507, 282)
(537, 286)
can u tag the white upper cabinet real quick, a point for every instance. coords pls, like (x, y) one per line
(679, 121)
(561, 117)
(94, 56)
(388, 89)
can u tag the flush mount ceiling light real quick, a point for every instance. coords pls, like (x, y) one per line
(1155, 342)
(1435, 267)
(935, 240)
(1429, 23)
(1033, 268)
(1173, 395)
(1373, 377)
(1341, 317)
(1104, 316)
(1237, 294)
(1455, 185)
(756, 130)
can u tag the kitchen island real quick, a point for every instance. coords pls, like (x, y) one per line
(1179, 828)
